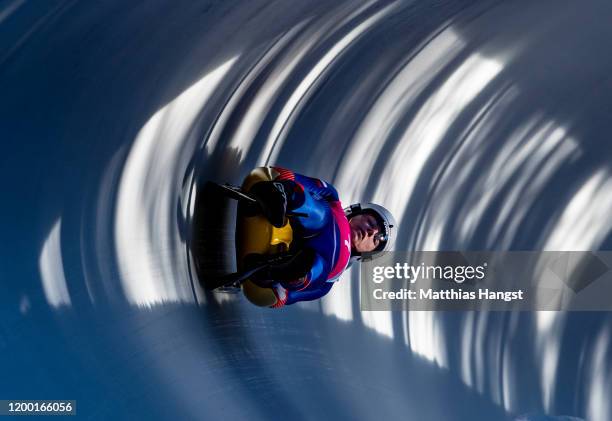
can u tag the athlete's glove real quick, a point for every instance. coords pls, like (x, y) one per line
(272, 200)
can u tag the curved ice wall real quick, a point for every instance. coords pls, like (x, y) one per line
(481, 125)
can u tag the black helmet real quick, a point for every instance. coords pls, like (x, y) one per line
(385, 220)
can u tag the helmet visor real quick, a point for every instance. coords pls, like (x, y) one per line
(383, 231)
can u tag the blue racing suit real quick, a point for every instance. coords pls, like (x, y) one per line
(324, 230)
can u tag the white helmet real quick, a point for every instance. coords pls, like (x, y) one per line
(385, 220)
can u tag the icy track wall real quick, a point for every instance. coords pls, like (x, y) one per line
(481, 125)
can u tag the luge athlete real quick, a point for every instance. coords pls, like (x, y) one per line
(326, 237)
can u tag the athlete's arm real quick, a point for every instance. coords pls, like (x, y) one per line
(317, 188)
(309, 287)
(309, 196)
(314, 291)
(316, 265)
